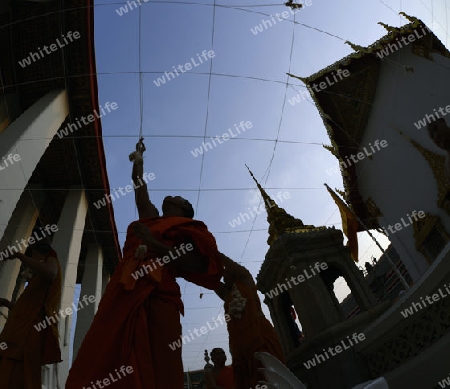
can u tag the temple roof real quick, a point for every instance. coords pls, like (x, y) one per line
(280, 222)
(345, 106)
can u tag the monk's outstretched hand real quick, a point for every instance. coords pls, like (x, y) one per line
(5, 303)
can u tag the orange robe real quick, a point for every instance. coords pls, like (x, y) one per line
(29, 349)
(247, 335)
(225, 379)
(137, 319)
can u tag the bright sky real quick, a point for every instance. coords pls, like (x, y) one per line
(244, 81)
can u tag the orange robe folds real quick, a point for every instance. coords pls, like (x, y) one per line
(247, 335)
(28, 348)
(138, 317)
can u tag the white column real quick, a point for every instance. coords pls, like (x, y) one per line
(21, 227)
(105, 279)
(67, 244)
(22, 145)
(90, 295)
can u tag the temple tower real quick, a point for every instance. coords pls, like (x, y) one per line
(299, 270)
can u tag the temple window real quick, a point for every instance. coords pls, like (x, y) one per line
(295, 332)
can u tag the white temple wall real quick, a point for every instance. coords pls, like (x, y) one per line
(398, 178)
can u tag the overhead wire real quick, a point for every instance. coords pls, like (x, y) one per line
(276, 141)
(206, 125)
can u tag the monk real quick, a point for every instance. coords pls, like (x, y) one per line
(138, 318)
(248, 329)
(24, 346)
(220, 376)
(440, 134)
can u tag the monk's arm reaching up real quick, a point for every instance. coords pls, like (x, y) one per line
(238, 271)
(192, 261)
(47, 270)
(145, 207)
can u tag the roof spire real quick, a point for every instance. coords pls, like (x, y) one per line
(280, 221)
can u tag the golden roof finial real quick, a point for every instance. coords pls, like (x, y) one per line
(411, 19)
(387, 27)
(356, 47)
(302, 79)
(279, 220)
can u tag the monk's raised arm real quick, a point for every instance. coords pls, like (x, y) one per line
(47, 270)
(145, 207)
(239, 271)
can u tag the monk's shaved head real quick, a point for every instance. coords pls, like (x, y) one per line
(189, 209)
(218, 356)
(177, 206)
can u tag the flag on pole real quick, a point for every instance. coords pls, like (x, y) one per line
(350, 224)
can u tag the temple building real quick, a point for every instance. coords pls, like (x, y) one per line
(375, 104)
(303, 262)
(52, 168)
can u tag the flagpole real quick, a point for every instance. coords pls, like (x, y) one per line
(189, 380)
(405, 284)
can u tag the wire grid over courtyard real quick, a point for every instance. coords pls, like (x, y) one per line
(205, 83)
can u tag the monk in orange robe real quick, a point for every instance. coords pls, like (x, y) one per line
(248, 329)
(220, 376)
(138, 318)
(24, 346)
